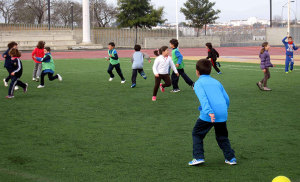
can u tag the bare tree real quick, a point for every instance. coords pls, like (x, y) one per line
(62, 12)
(38, 8)
(103, 13)
(6, 9)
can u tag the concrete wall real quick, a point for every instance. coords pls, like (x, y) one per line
(275, 35)
(184, 42)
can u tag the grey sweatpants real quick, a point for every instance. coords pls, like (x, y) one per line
(37, 70)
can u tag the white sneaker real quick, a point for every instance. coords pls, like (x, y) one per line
(123, 81)
(110, 79)
(59, 77)
(40, 86)
(37, 79)
(16, 88)
(5, 83)
(33, 79)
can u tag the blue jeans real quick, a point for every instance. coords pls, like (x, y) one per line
(199, 132)
(289, 60)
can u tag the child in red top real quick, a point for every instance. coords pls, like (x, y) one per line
(38, 52)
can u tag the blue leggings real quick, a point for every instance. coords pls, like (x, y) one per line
(288, 61)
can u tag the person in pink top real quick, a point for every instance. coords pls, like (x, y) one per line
(38, 52)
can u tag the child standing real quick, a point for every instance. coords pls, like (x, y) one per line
(114, 62)
(178, 61)
(48, 67)
(213, 113)
(289, 48)
(138, 64)
(265, 63)
(213, 56)
(16, 73)
(7, 63)
(38, 52)
(161, 69)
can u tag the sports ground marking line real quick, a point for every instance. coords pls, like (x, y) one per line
(24, 175)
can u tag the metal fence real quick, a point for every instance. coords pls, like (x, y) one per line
(17, 27)
(126, 37)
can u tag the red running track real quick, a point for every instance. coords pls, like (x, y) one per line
(224, 51)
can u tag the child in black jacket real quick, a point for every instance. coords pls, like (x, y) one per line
(213, 56)
(17, 70)
(7, 63)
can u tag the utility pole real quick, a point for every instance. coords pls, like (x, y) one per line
(270, 13)
(49, 23)
(72, 17)
(289, 14)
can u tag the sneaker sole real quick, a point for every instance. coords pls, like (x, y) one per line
(258, 86)
(231, 163)
(198, 163)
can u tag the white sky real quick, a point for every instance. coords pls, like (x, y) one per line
(233, 9)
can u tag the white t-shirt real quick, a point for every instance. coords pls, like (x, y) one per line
(162, 64)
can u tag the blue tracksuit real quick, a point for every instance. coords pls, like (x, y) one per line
(213, 99)
(289, 48)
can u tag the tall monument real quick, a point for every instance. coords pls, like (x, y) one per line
(86, 29)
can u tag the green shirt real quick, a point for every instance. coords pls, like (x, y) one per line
(48, 64)
(112, 53)
(177, 58)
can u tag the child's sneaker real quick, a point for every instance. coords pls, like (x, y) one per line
(175, 90)
(195, 162)
(40, 86)
(16, 87)
(133, 85)
(220, 73)
(5, 83)
(33, 79)
(291, 71)
(267, 89)
(144, 76)
(9, 97)
(59, 77)
(287, 72)
(111, 79)
(259, 85)
(162, 89)
(37, 79)
(123, 81)
(154, 98)
(231, 162)
(26, 88)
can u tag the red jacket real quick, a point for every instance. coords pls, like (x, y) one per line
(37, 53)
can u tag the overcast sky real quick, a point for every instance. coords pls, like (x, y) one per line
(233, 9)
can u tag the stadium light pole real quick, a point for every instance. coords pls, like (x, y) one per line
(86, 25)
(289, 13)
(72, 16)
(177, 23)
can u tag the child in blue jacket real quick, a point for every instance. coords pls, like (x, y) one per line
(289, 48)
(213, 113)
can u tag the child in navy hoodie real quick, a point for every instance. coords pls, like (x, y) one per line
(7, 63)
(213, 113)
(289, 48)
(16, 73)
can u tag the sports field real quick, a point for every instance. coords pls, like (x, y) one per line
(88, 129)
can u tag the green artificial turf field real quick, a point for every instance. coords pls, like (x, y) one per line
(88, 129)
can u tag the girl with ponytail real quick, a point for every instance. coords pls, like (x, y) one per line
(265, 63)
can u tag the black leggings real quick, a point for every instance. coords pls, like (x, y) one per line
(165, 78)
(9, 76)
(267, 76)
(213, 62)
(50, 76)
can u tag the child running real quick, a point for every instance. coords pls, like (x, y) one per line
(213, 56)
(48, 67)
(114, 63)
(7, 63)
(38, 52)
(138, 64)
(16, 73)
(265, 64)
(213, 113)
(289, 48)
(178, 61)
(161, 70)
